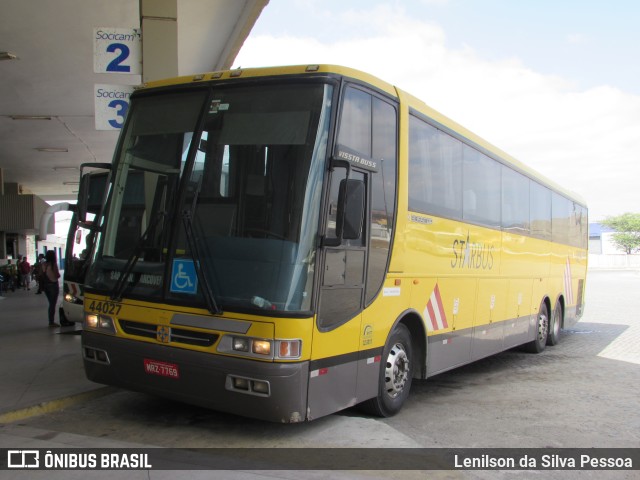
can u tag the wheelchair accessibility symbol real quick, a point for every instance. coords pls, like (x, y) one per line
(183, 277)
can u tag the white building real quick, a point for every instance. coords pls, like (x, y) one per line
(603, 252)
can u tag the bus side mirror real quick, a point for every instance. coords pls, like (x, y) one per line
(350, 213)
(83, 198)
(91, 191)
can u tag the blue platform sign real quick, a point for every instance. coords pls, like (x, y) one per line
(183, 277)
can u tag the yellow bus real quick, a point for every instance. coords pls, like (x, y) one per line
(283, 243)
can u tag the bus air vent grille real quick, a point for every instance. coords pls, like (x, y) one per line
(178, 335)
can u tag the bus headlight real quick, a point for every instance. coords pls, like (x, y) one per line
(99, 323)
(241, 344)
(71, 299)
(261, 348)
(251, 345)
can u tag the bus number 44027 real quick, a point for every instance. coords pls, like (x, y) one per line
(108, 308)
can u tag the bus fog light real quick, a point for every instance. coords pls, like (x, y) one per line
(289, 348)
(240, 383)
(258, 386)
(262, 347)
(96, 355)
(101, 356)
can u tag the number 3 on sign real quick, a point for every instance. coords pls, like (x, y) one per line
(111, 105)
(121, 107)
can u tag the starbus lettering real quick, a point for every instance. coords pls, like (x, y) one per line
(472, 255)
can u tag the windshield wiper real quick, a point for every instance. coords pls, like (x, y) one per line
(118, 289)
(187, 215)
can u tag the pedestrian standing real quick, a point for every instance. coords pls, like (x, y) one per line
(50, 276)
(37, 272)
(12, 273)
(25, 273)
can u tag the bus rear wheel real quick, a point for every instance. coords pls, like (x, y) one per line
(396, 372)
(555, 325)
(542, 331)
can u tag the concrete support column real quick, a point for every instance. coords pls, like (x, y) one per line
(159, 21)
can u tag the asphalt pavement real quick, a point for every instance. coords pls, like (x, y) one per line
(40, 366)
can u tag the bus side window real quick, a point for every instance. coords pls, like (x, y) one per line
(435, 166)
(515, 201)
(481, 197)
(383, 194)
(355, 127)
(540, 211)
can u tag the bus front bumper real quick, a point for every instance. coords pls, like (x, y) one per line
(275, 392)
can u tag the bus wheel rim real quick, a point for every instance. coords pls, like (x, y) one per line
(396, 370)
(543, 327)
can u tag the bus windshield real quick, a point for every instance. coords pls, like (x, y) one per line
(216, 193)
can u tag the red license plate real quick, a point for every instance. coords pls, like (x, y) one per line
(164, 369)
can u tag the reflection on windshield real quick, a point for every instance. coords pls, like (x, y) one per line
(252, 198)
(79, 245)
(82, 233)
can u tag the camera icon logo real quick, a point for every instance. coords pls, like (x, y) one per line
(23, 459)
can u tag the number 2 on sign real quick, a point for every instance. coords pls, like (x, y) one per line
(116, 64)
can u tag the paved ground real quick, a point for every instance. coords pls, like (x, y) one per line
(38, 364)
(582, 393)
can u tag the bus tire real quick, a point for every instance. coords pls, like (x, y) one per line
(555, 324)
(542, 331)
(396, 372)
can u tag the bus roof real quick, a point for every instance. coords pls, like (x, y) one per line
(410, 100)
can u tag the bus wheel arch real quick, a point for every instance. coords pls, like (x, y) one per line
(414, 323)
(556, 321)
(401, 355)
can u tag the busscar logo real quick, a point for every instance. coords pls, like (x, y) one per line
(163, 334)
(23, 459)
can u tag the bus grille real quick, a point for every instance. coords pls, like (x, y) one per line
(178, 335)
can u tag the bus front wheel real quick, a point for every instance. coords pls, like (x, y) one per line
(396, 371)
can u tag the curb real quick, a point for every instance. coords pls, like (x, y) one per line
(54, 405)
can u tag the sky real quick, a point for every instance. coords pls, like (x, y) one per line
(555, 83)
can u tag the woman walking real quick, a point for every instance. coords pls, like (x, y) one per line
(50, 276)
